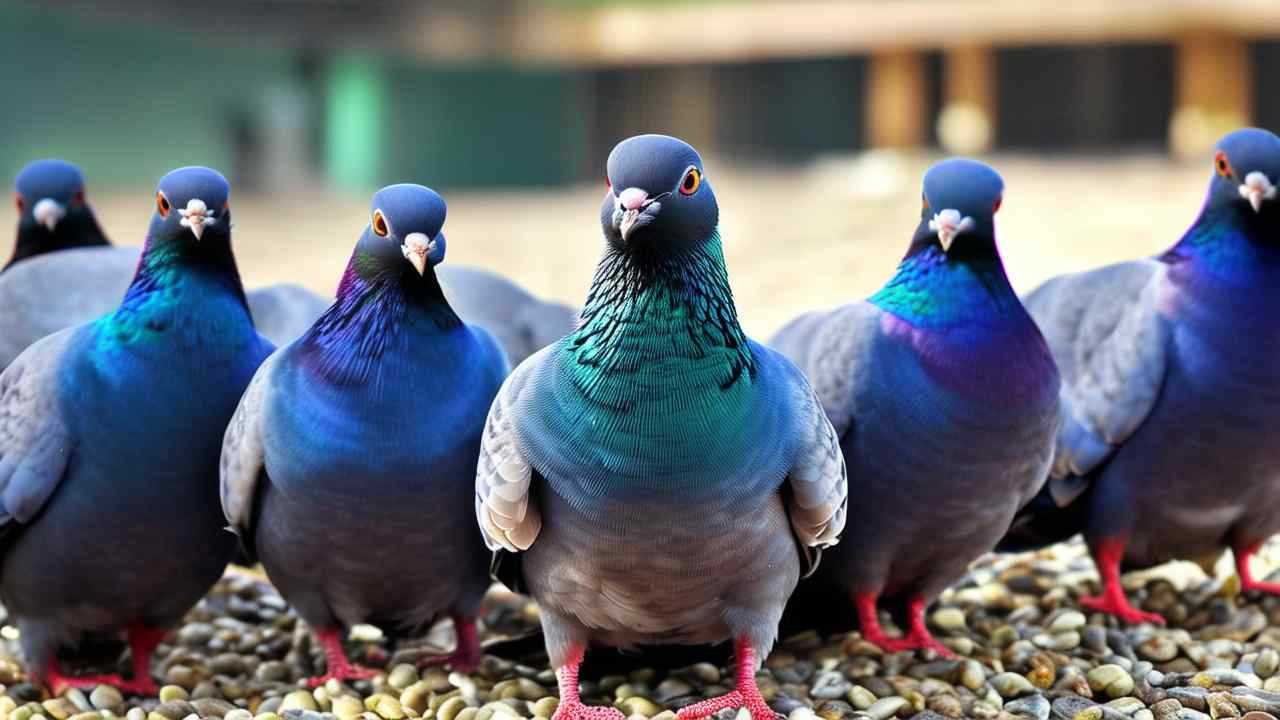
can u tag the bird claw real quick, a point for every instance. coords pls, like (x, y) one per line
(142, 687)
(462, 661)
(343, 674)
(1120, 608)
(575, 710)
(1270, 588)
(753, 702)
(912, 643)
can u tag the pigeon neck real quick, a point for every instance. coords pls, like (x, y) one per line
(967, 286)
(658, 323)
(375, 310)
(1228, 248)
(171, 265)
(78, 229)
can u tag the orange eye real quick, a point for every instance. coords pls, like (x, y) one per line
(162, 204)
(691, 182)
(78, 199)
(1222, 165)
(996, 207)
(924, 202)
(19, 203)
(380, 224)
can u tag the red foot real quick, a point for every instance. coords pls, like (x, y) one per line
(1247, 583)
(59, 683)
(338, 667)
(142, 644)
(747, 695)
(571, 707)
(1107, 555)
(919, 637)
(466, 656)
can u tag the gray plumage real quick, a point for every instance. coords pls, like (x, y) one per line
(944, 395)
(522, 323)
(53, 291)
(370, 425)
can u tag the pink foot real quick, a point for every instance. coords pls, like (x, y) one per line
(571, 706)
(1107, 555)
(1247, 583)
(747, 695)
(466, 656)
(575, 710)
(338, 666)
(755, 704)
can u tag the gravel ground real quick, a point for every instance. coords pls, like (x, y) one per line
(795, 239)
(1025, 650)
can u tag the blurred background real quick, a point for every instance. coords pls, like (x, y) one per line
(815, 118)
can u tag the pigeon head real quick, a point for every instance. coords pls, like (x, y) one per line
(192, 210)
(47, 191)
(1246, 169)
(959, 204)
(658, 196)
(404, 233)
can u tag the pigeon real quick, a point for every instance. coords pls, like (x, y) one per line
(52, 211)
(655, 477)
(113, 428)
(57, 290)
(945, 397)
(521, 323)
(1169, 400)
(372, 420)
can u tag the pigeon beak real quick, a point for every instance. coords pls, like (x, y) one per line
(416, 247)
(48, 213)
(1257, 187)
(197, 217)
(948, 224)
(635, 209)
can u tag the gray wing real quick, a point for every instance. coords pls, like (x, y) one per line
(35, 442)
(818, 497)
(55, 291)
(242, 464)
(282, 313)
(1111, 345)
(522, 323)
(827, 346)
(508, 515)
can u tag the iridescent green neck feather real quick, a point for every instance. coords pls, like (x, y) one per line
(932, 288)
(659, 328)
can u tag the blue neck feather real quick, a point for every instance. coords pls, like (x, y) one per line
(1228, 248)
(376, 308)
(934, 289)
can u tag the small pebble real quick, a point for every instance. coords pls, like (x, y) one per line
(1011, 685)
(885, 708)
(1111, 679)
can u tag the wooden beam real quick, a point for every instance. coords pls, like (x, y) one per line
(894, 106)
(967, 121)
(671, 33)
(1213, 91)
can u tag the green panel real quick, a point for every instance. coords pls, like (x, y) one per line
(126, 101)
(483, 126)
(355, 108)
